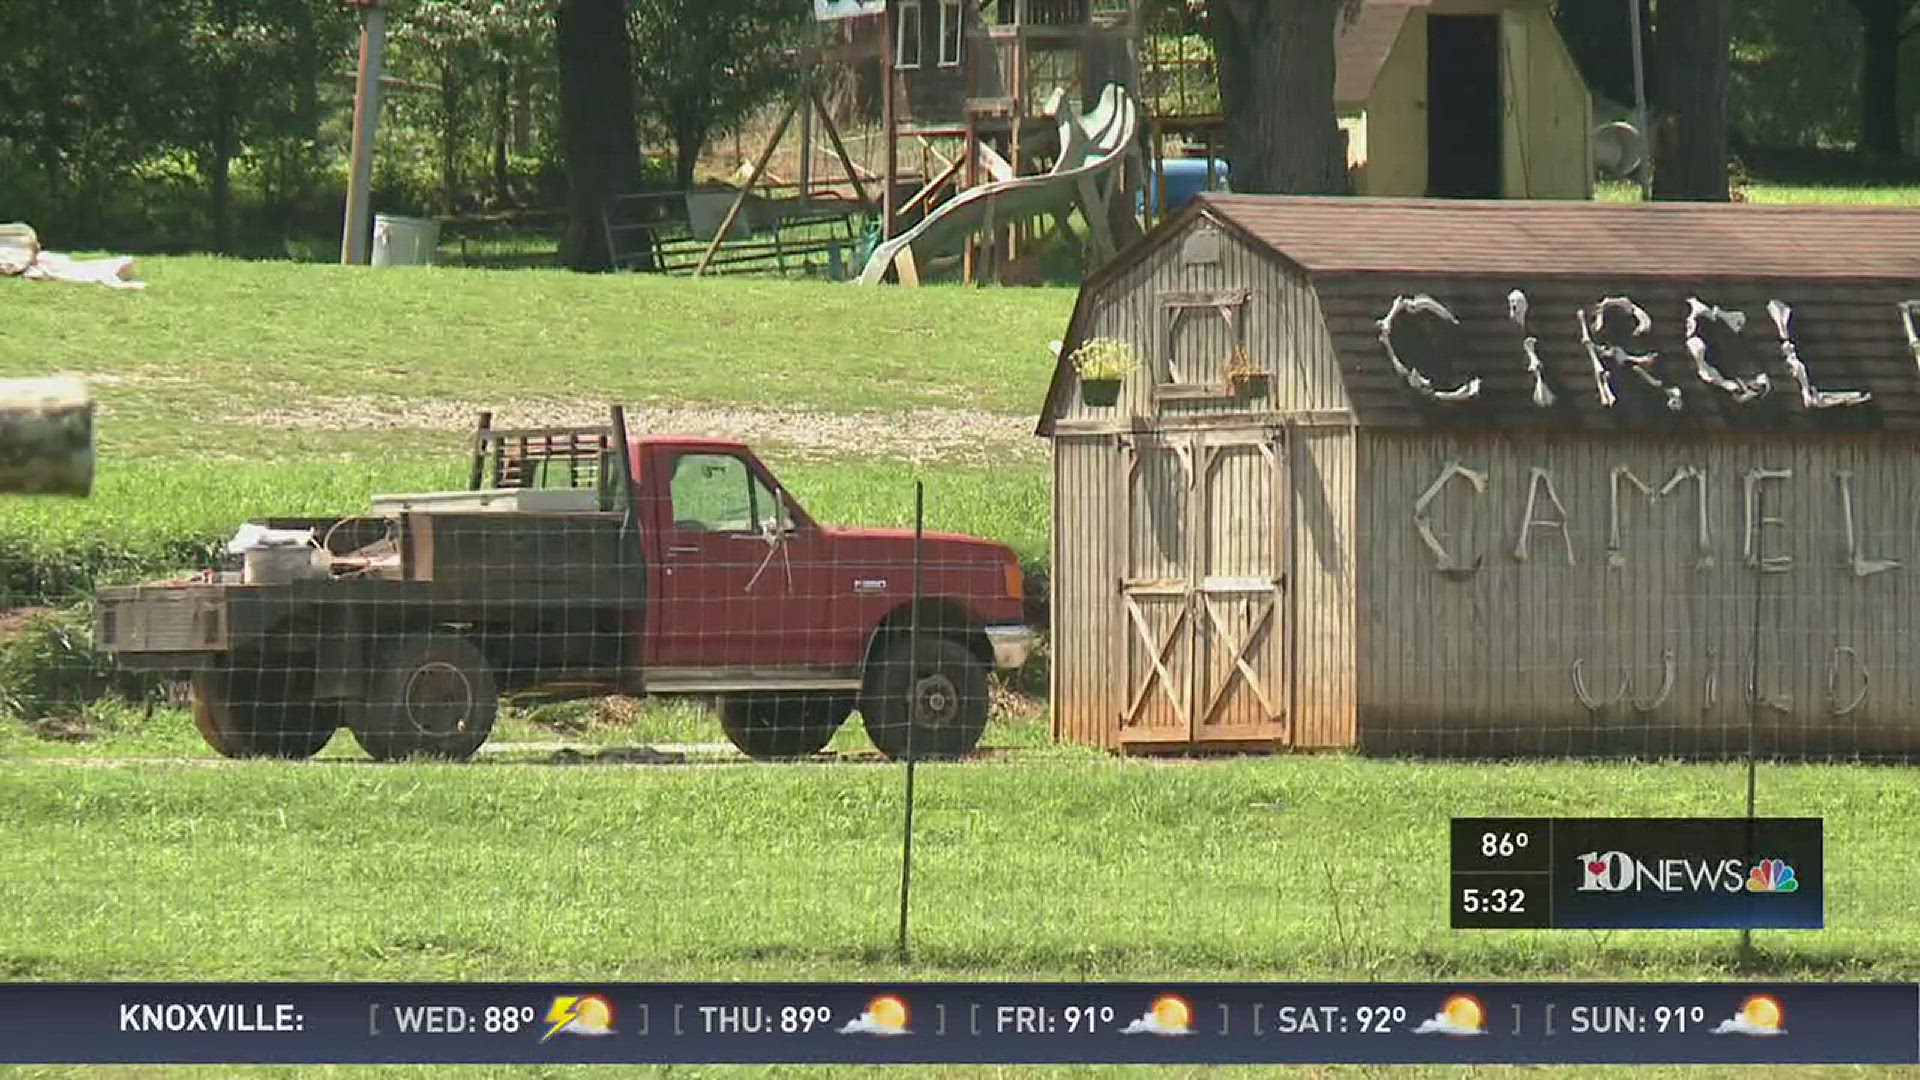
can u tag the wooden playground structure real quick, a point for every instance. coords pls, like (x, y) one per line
(964, 89)
(986, 169)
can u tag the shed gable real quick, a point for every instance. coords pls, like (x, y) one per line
(1486, 316)
(1195, 303)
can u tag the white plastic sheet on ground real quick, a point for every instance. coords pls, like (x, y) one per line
(22, 256)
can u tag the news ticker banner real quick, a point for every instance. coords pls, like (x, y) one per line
(959, 1023)
(1649, 873)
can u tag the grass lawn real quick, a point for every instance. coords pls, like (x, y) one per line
(220, 358)
(1048, 864)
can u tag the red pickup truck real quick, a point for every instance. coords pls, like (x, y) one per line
(580, 561)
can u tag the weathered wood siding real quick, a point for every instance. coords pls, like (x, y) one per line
(1279, 324)
(1322, 586)
(1640, 641)
(1086, 637)
(1203, 561)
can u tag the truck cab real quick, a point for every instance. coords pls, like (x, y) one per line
(583, 561)
(794, 622)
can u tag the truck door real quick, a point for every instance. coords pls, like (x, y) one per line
(737, 577)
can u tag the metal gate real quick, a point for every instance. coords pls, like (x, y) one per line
(1203, 591)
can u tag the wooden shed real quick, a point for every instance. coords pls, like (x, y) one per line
(1521, 478)
(1463, 99)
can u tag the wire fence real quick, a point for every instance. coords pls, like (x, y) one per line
(670, 602)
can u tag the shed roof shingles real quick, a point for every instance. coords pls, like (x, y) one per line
(1581, 239)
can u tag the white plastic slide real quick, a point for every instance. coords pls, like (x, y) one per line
(1091, 149)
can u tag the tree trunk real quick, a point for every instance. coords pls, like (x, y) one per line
(1276, 63)
(689, 138)
(225, 145)
(1880, 74)
(596, 117)
(449, 138)
(1692, 50)
(46, 437)
(522, 109)
(502, 106)
(298, 152)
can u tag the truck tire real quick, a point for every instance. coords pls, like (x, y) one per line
(429, 695)
(770, 727)
(254, 711)
(951, 684)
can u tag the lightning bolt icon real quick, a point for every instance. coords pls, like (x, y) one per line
(562, 1012)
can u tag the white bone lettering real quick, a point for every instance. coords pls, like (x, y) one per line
(1540, 480)
(1641, 364)
(1421, 304)
(1908, 310)
(1616, 554)
(1423, 521)
(1517, 312)
(1837, 705)
(1810, 397)
(1757, 520)
(1860, 565)
(1742, 390)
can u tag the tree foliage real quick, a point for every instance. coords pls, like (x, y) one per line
(706, 65)
(465, 61)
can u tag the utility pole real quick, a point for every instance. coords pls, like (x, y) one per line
(1640, 104)
(889, 119)
(358, 229)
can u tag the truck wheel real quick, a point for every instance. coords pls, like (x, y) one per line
(951, 687)
(261, 712)
(430, 695)
(774, 726)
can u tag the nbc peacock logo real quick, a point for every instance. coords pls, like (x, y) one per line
(1772, 876)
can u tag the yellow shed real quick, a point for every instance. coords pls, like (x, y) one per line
(1463, 99)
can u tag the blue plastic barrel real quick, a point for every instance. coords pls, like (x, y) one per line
(1186, 177)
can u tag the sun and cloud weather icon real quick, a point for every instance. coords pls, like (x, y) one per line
(1772, 876)
(1759, 1015)
(884, 1015)
(579, 1014)
(1461, 1014)
(1168, 1015)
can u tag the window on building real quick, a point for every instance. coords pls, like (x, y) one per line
(952, 31)
(1202, 334)
(906, 47)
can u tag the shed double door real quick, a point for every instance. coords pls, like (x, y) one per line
(1203, 593)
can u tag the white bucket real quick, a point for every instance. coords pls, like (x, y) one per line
(278, 565)
(404, 241)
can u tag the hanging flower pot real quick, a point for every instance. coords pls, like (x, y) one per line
(1102, 365)
(1100, 393)
(1247, 379)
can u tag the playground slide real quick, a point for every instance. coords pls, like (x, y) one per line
(1091, 148)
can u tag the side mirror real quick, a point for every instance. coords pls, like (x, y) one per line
(778, 527)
